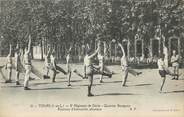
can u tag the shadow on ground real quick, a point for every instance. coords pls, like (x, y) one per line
(116, 94)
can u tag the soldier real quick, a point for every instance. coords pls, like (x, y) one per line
(125, 67)
(102, 67)
(47, 64)
(89, 68)
(175, 64)
(68, 66)
(54, 67)
(9, 65)
(163, 70)
(18, 64)
(27, 64)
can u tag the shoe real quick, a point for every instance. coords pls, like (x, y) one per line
(17, 83)
(90, 95)
(124, 85)
(176, 79)
(101, 81)
(110, 75)
(69, 85)
(139, 73)
(75, 70)
(46, 77)
(173, 78)
(85, 77)
(8, 81)
(30, 78)
(26, 88)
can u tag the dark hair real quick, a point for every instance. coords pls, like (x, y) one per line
(88, 52)
(161, 55)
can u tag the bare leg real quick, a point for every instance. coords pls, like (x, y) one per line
(90, 85)
(9, 73)
(61, 70)
(2, 74)
(27, 75)
(177, 72)
(133, 72)
(54, 75)
(47, 72)
(69, 77)
(125, 77)
(79, 74)
(17, 78)
(164, 78)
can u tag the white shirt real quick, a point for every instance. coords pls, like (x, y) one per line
(165, 51)
(101, 60)
(52, 59)
(124, 61)
(27, 58)
(174, 60)
(160, 64)
(87, 61)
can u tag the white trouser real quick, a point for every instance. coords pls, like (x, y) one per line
(27, 75)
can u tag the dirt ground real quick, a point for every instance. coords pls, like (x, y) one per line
(140, 98)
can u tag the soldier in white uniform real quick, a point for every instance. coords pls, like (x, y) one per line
(175, 64)
(125, 67)
(47, 64)
(27, 64)
(18, 64)
(9, 65)
(68, 66)
(165, 52)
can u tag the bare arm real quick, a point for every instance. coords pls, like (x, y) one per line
(10, 51)
(49, 52)
(29, 44)
(95, 53)
(122, 49)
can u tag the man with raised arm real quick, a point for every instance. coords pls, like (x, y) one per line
(54, 67)
(103, 69)
(125, 67)
(89, 68)
(9, 65)
(18, 64)
(27, 64)
(47, 64)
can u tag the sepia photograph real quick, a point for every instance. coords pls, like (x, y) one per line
(91, 58)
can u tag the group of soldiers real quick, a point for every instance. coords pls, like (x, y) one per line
(23, 64)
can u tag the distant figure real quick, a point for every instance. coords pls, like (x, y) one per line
(9, 65)
(68, 65)
(165, 52)
(175, 64)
